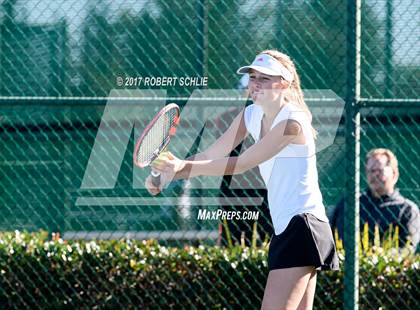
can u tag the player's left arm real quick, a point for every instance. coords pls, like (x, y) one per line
(273, 142)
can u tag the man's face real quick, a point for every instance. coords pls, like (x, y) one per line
(380, 175)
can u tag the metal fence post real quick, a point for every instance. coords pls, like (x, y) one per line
(389, 91)
(351, 219)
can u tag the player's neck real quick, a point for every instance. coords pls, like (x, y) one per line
(271, 111)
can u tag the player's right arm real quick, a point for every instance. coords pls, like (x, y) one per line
(222, 147)
(229, 140)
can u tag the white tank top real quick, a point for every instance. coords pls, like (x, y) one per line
(291, 176)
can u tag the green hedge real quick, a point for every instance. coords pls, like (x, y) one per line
(36, 271)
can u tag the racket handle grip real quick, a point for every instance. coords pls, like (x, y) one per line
(155, 178)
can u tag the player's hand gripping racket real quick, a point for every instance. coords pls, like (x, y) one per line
(155, 138)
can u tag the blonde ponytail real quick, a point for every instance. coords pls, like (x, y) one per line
(294, 94)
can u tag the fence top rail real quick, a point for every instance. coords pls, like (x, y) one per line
(60, 101)
(226, 100)
(391, 103)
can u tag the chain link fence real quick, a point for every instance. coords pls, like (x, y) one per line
(61, 60)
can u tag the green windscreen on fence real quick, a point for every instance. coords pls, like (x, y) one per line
(73, 49)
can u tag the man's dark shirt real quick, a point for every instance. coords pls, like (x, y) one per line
(393, 209)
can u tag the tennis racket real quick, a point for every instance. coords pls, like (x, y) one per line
(155, 138)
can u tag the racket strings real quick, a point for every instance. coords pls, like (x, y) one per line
(157, 137)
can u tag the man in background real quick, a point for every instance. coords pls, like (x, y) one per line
(381, 204)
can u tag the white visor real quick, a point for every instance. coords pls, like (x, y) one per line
(266, 64)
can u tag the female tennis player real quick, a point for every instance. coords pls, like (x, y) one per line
(280, 123)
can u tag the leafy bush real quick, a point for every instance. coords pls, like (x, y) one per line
(36, 271)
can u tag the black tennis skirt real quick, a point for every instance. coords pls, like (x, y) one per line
(306, 241)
